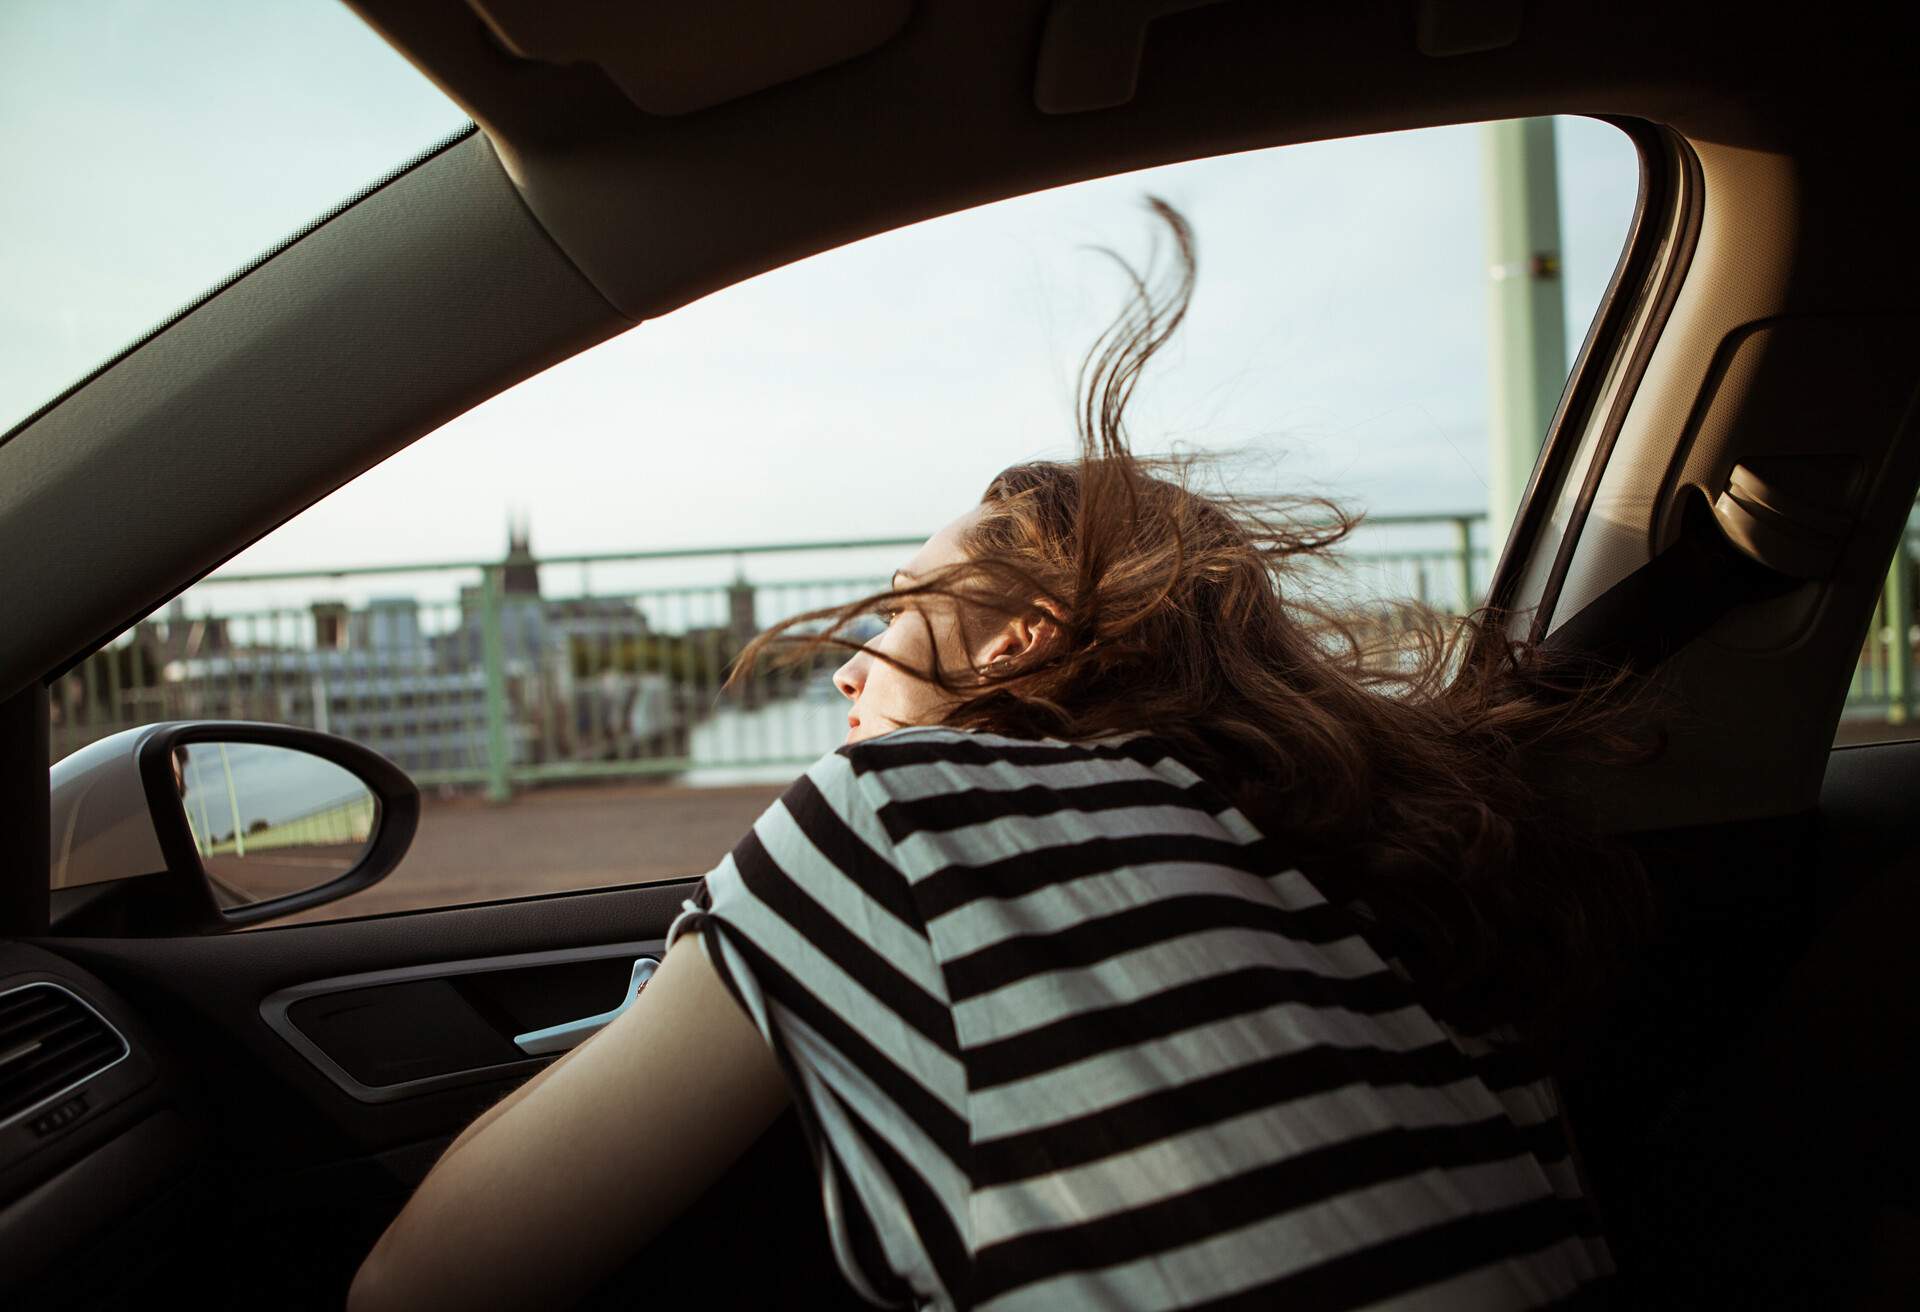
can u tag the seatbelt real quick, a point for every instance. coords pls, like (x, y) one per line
(1673, 598)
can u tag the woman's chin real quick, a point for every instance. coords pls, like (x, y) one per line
(862, 732)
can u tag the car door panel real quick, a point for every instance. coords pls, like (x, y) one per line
(266, 1149)
(382, 1036)
(215, 991)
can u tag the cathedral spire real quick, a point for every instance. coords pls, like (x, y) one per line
(520, 577)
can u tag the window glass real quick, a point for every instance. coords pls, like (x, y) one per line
(153, 149)
(1883, 703)
(530, 610)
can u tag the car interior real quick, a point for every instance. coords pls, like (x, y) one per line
(1732, 462)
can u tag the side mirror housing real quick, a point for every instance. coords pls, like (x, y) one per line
(201, 826)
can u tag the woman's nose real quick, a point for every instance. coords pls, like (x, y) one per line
(852, 676)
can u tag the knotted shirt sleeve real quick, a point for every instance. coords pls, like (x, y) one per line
(810, 922)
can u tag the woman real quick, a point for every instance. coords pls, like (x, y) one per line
(1153, 940)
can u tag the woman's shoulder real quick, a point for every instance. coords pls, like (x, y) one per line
(915, 732)
(936, 744)
(935, 774)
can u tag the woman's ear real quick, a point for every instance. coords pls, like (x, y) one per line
(1031, 637)
(1046, 633)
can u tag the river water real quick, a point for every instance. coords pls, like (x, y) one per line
(767, 744)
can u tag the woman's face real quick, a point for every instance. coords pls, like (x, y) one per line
(885, 698)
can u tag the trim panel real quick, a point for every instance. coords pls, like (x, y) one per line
(274, 1008)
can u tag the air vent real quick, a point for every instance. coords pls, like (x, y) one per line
(51, 1041)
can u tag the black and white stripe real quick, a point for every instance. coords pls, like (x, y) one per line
(1068, 1030)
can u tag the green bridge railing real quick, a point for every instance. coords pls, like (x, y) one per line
(565, 669)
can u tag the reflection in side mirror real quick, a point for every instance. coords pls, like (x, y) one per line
(270, 821)
(205, 826)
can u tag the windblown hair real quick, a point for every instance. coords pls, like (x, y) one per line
(1405, 766)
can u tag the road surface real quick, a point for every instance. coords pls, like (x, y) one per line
(556, 839)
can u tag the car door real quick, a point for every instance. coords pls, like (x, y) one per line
(294, 1085)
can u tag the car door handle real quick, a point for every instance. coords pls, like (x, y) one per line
(571, 1033)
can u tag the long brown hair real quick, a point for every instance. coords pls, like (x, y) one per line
(1404, 764)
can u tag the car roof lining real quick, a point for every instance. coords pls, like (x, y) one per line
(618, 188)
(573, 215)
(676, 58)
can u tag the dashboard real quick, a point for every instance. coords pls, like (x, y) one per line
(96, 1130)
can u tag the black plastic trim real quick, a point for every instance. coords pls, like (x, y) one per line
(274, 1008)
(25, 897)
(45, 1231)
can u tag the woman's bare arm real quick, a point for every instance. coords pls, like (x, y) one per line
(549, 1192)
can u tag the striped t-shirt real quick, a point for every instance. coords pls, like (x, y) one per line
(1065, 1029)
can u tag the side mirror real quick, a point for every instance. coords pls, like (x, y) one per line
(198, 826)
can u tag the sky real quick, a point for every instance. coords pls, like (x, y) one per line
(274, 784)
(1336, 343)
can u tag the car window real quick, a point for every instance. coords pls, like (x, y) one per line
(1883, 703)
(532, 609)
(154, 149)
